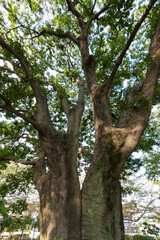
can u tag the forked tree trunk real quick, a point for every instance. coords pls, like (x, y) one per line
(60, 208)
(64, 213)
(95, 213)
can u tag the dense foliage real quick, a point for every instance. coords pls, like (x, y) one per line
(55, 64)
(139, 237)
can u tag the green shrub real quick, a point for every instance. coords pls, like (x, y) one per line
(138, 237)
(128, 237)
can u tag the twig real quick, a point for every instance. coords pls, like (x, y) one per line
(15, 137)
(93, 6)
(95, 16)
(12, 29)
(18, 160)
(9, 108)
(86, 153)
(8, 70)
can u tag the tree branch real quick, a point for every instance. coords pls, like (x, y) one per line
(96, 15)
(12, 29)
(58, 34)
(94, 4)
(65, 105)
(8, 107)
(13, 65)
(2, 58)
(80, 103)
(18, 56)
(71, 7)
(130, 40)
(18, 74)
(86, 153)
(135, 117)
(8, 70)
(15, 137)
(63, 100)
(144, 210)
(17, 113)
(7, 102)
(17, 160)
(75, 113)
(43, 116)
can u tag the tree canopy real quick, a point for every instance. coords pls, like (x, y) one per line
(40, 32)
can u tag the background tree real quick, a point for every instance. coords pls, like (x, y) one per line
(18, 202)
(141, 190)
(66, 79)
(151, 159)
(141, 200)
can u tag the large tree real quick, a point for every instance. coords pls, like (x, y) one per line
(70, 77)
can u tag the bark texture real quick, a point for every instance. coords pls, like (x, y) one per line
(60, 196)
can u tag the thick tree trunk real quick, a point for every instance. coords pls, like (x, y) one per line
(59, 211)
(102, 216)
(60, 206)
(64, 213)
(59, 192)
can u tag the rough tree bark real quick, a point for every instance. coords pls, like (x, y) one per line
(95, 212)
(101, 193)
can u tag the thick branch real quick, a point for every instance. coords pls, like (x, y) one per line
(18, 56)
(17, 113)
(71, 7)
(39, 169)
(135, 119)
(65, 105)
(41, 100)
(7, 102)
(94, 4)
(76, 113)
(58, 34)
(63, 100)
(130, 40)
(17, 160)
(42, 115)
(80, 103)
